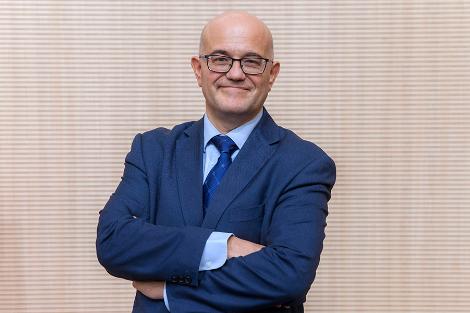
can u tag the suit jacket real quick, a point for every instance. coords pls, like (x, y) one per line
(275, 193)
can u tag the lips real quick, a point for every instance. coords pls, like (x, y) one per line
(235, 87)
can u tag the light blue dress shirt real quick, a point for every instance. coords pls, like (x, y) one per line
(215, 250)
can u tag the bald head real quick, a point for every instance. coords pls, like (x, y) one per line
(236, 26)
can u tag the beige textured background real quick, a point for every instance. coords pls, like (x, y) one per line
(382, 86)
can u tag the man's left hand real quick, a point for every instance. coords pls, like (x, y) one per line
(151, 289)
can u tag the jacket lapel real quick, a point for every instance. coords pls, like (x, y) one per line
(255, 152)
(189, 172)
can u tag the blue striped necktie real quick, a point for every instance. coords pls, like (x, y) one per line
(226, 147)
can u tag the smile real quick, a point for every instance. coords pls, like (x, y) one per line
(234, 87)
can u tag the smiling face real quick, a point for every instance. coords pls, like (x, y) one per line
(234, 98)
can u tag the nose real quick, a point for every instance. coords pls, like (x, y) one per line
(236, 72)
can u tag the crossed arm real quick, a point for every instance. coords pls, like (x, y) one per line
(253, 276)
(236, 247)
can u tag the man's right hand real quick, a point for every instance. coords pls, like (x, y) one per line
(238, 247)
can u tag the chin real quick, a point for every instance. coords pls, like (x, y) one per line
(237, 109)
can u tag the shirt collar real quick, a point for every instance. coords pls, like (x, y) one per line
(239, 135)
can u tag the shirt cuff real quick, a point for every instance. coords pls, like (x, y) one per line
(165, 299)
(215, 251)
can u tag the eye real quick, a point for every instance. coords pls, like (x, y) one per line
(252, 61)
(220, 59)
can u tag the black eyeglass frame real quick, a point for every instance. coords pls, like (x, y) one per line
(206, 56)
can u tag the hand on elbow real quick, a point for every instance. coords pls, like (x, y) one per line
(237, 247)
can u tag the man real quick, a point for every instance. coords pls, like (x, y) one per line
(225, 214)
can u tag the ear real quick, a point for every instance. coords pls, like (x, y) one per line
(273, 73)
(197, 68)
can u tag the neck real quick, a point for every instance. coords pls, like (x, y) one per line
(227, 123)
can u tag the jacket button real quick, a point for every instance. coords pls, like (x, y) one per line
(188, 279)
(174, 279)
(181, 279)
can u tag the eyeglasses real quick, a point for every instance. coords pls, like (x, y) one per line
(222, 63)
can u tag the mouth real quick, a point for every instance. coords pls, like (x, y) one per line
(235, 87)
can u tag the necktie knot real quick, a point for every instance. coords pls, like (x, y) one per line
(224, 144)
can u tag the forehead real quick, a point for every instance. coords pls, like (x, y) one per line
(237, 38)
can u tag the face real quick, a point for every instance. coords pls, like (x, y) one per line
(234, 98)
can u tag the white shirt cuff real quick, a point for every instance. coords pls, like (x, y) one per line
(165, 299)
(214, 256)
(215, 251)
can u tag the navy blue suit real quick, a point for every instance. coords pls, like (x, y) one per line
(275, 193)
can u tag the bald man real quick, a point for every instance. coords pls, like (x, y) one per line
(224, 214)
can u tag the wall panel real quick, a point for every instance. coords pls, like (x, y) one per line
(382, 86)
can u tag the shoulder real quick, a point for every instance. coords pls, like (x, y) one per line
(162, 134)
(291, 148)
(149, 149)
(301, 147)
(157, 141)
(297, 152)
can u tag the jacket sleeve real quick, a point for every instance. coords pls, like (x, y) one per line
(131, 248)
(284, 270)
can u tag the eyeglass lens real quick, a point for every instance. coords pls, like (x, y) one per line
(223, 64)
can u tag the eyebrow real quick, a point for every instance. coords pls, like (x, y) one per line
(248, 54)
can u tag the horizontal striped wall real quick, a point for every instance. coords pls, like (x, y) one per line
(382, 86)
